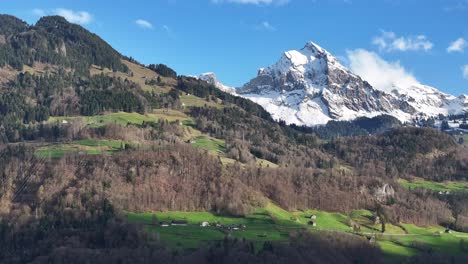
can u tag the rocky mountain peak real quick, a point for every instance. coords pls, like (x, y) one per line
(210, 77)
(310, 87)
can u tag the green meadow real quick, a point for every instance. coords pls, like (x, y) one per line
(275, 224)
(85, 146)
(435, 186)
(209, 143)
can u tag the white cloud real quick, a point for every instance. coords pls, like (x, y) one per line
(379, 73)
(458, 45)
(39, 12)
(79, 17)
(143, 23)
(254, 2)
(265, 25)
(389, 41)
(465, 71)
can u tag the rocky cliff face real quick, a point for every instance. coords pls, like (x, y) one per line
(383, 193)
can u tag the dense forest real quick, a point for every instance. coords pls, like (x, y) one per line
(70, 209)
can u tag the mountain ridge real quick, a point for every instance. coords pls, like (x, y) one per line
(310, 87)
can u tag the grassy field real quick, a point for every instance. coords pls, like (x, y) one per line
(217, 147)
(191, 100)
(435, 186)
(211, 144)
(85, 146)
(139, 75)
(275, 224)
(264, 224)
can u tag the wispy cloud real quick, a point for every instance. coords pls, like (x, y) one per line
(79, 17)
(465, 71)
(389, 41)
(456, 5)
(143, 23)
(458, 45)
(253, 2)
(39, 12)
(381, 74)
(166, 28)
(265, 26)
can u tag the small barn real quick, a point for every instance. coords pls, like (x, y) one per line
(313, 217)
(204, 224)
(312, 223)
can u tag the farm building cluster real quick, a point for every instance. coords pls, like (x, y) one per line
(311, 222)
(202, 224)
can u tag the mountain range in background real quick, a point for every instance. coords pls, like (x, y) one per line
(310, 87)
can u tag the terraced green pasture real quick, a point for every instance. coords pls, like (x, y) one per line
(85, 146)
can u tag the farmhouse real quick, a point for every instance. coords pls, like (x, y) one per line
(312, 223)
(179, 223)
(312, 217)
(204, 224)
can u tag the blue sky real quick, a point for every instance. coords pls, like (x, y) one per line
(234, 38)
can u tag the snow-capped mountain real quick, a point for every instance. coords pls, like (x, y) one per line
(211, 78)
(310, 87)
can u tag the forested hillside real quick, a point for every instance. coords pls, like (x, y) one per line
(88, 135)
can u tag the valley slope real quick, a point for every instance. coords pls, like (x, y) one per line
(95, 146)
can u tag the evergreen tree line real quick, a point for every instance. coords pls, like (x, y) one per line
(55, 41)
